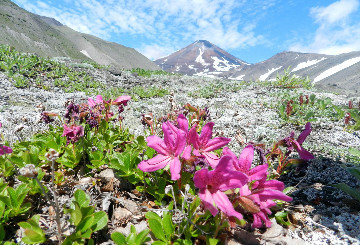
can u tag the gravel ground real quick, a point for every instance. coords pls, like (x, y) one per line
(321, 213)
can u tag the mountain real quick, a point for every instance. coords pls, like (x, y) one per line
(200, 58)
(47, 37)
(338, 73)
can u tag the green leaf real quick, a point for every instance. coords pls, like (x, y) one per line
(351, 191)
(81, 198)
(131, 238)
(87, 234)
(159, 243)
(85, 223)
(118, 238)
(167, 224)
(157, 229)
(141, 238)
(355, 152)
(100, 220)
(281, 218)
(211, 241)
(33, 232)
(2, 233)
(354, 172)
(76, 214)
(152, 215)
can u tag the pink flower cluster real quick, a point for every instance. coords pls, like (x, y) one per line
(92, 113)
(232, 186)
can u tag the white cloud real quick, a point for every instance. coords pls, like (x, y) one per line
(155, 51)
(337, 11)
(225, 23)
(337, 32)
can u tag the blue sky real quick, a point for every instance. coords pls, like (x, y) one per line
(250, 30)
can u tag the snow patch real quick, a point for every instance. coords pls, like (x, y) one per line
(200, 59)
(222, 65)
(307, 64)
(240, 78)
(84, 52)
(266, 75)
(337, 68)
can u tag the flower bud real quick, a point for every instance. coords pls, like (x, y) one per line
(52, 155)
(29, 171)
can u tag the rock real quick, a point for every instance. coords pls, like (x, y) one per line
(106, 175)
(121, 213)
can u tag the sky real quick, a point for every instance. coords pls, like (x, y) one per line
(252, 31)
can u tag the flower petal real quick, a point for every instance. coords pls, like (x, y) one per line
(208, 201)
(201, 178)
(258, 172)
(304, 133)
(183, 123)
(194, 138)
(175, 168)
(246, 158)
(187, 152)
(99, 99)
(303, 154)
(212, 159)
(206, 133)
(91, 102)
(169, 137)
(269, 194)
(155, 163)
(180, 143)
(157, 144)
(122, 100)
(5, 150)
(224, 204)
(216, 143)
(258, 218)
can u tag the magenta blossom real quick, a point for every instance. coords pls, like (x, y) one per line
(92, 103)
(5, 150)
(213, 184)
(182, 124)
(203, 144)
(258, 199)
(243, 163)
(169, 150)
(292, 144)
(73, 133)
(122, 100)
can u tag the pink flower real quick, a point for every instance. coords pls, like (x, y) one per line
(73, 133)
(212, 185)
(92, 103)
(169, 150)
(122, 100)
(258, 199)
(5, 150)
(292, 144)
(243, 163)
(203, 144)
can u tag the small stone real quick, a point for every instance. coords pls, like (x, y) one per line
(106, 175)
(121, 213)
(316, 217)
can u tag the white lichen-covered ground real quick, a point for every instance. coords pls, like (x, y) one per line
(321, 213)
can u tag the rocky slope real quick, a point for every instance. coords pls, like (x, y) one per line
(321, 214)
(47, 37)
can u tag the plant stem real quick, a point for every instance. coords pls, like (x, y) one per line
(57, 208)
(218, 226)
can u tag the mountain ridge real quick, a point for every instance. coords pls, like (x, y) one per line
(47, 37)
(335, 73)
(199, 58)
